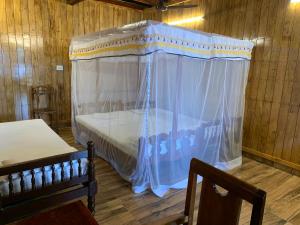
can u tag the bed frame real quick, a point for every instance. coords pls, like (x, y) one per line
(15, 206)
(210, 133)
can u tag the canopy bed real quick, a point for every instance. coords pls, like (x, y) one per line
(153, 96)
(39, 170)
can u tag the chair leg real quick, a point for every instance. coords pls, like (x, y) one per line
(91, 204)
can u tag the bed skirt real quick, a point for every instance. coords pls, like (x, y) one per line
(122, 162)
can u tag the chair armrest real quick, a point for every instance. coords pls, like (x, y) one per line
(175, 219)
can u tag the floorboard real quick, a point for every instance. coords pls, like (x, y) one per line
(116, 204)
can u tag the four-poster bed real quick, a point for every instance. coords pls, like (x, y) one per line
(153, 96)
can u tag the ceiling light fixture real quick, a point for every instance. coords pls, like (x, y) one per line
(188, 20)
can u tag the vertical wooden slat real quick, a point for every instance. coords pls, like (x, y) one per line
(97, 19)
(43, 177)
(67, 63)
(62, 172)
(46, 42)
(10, 184)
(18, 68)
(27, 69)
(22, 183)
(63, 74)
(81, 27)
(79, 168)
(52, 54)
(32, 179)
(4, 109)
(8, 41)
(53, 173)
(39, 40)
(71, 170)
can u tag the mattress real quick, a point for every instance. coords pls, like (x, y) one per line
(124, 128)
(27, 140)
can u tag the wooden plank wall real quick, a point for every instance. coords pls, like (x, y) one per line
(272, 117)
(35, 37)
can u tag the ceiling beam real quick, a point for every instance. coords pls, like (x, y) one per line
(135, 4)
(73, 2)
(149, 2)
(129, 3)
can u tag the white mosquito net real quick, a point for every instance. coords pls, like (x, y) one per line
(153, 96)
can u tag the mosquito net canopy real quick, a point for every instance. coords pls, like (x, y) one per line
(153, 96)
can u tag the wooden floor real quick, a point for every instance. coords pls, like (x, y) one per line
(116, 204)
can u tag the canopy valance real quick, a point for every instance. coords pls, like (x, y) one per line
(148, 36)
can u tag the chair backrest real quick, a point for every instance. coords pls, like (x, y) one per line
(216, 207)
(42, 97)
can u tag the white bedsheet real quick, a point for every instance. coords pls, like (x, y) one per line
(123, 128)
(22, 141)
(26, 140)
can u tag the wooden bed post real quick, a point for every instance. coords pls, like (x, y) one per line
(1, 211)
(92, 187)
(0, 203)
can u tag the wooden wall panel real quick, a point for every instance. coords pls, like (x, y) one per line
(272, 125)
(35, 37)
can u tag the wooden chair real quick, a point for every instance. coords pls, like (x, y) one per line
(216, 207)
(43, 104)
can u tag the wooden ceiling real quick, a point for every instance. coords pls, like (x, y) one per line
(136, 4)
